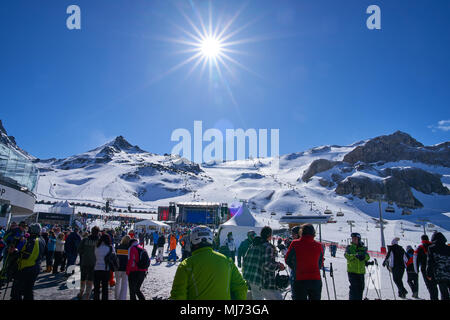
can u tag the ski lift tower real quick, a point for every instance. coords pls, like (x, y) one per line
(425, 221)
(351, 224)
(379, 198)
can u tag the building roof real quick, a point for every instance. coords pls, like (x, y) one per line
(198, 204)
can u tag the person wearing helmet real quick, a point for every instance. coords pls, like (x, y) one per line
(207, 274)
(29, 265)
(357, 256)
(245, 245)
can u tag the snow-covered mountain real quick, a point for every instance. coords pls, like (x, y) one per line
(341, 178)
(331, 176)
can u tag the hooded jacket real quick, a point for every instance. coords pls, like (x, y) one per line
(438, 263)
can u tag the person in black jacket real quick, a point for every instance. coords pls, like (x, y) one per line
(420, 265)
(161, 242)
(438, 264)
(413, 276)
(395, 262)
(71, 247)
(121, 287)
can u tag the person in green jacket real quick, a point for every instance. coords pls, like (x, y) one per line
(207, 274)
(357, 256)
(245, 245)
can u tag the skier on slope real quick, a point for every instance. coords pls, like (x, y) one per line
(357, 256)
(207, 274)
(395, 262)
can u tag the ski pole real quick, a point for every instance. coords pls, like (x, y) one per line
(378, 277)
(326, 283)
(332, 278)
(390, 277)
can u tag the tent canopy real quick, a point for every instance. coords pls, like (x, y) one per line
(62, 207)
(151, 223)
(241, 223)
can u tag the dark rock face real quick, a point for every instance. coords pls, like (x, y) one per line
(418, 179)
(317, 166)
(394, 190)
(399, 146)
(249, 175)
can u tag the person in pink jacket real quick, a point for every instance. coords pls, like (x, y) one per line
(135, 275)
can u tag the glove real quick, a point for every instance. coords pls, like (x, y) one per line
(360, 256)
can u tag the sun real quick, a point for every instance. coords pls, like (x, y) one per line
(211, 47)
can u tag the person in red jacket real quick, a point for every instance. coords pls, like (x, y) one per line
(305, 258)
(136, 276)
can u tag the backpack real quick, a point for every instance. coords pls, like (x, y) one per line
(144, 259)
(111, 260)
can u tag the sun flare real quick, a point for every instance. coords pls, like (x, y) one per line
(211, 47)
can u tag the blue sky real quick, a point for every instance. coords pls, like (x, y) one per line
(314, 71)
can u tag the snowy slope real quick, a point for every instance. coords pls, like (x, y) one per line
(130, 175)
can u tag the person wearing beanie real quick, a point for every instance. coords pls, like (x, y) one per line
(413, 277)
(438, 264)
(357, 256)
(420, 264)
(29, 265)
(395, 263)
(305, 258)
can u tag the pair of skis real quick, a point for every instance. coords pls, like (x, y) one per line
(378, 291)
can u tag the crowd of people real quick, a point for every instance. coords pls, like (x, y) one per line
(208, 269)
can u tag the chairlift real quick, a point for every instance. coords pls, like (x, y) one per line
(289, 213)
(339, 213)
(273, 214)
(327, 211)
(406, 212)
(263, 210)
(390, 209)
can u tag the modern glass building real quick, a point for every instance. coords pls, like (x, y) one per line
(18, 181)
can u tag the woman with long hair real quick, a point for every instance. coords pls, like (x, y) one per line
(101, 270)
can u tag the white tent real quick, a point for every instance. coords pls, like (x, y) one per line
(62, 207)
(151, 223)
(241, 223)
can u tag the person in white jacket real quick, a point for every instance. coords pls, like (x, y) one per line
(102, 271)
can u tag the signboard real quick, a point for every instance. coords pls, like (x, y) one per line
(54, 216)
